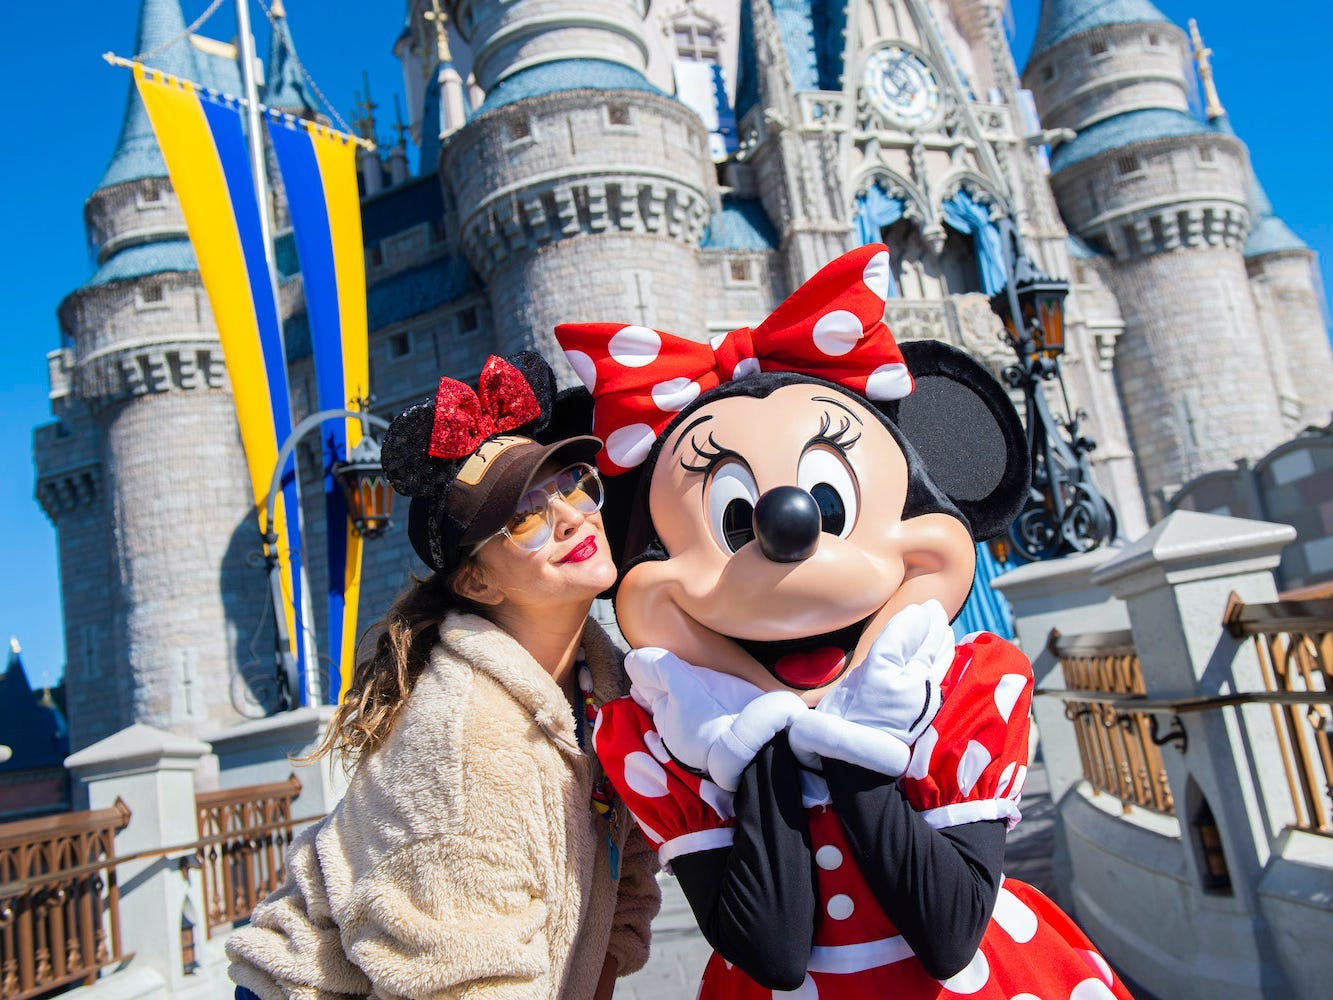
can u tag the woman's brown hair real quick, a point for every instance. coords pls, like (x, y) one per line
(399, 648)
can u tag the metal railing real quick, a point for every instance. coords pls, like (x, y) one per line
(1119, 747)
(59, 902)
(243, 838)
(1294, 642)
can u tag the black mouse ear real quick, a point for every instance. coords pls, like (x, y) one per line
(967, 433)
(405, 453)
(571, 416)
(542, 379)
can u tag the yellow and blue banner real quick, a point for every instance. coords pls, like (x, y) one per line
(204, 147)
(319, 174)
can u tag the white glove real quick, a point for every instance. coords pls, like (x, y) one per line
(874, 716)
(710, 721)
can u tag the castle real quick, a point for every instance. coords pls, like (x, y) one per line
(681, 164)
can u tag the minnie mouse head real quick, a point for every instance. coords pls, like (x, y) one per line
(796, 484)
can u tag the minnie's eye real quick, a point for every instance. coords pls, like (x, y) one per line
(732, 494)
(826, 477)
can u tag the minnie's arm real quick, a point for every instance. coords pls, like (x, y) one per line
(743, 861)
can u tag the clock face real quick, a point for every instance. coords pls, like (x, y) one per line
(901, 86)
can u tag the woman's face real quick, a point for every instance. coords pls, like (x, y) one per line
(574, 565)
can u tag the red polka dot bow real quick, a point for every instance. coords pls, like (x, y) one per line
(832, 327)
(464, 419)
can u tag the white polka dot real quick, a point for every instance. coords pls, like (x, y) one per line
(1025, 996)
(1017, 790)
(1091, 989)
(653, 742)
(972, 978)
(1007, 692)
(924, 748)
(675, 394)
(629, 446)
(717, 797)
(1011, 913)
(840, 907)
(717, 340)
(635, 346)
(828, 857)
(975, 760)
(876, 274)
(645, 775)
(837, 332)
(806, 991)
(597, 725)
(584, 367)
(1006, 776)
(1098, 965)
(888, 382)
(745, 368)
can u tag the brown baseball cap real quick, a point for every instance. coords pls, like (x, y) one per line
(484, 494)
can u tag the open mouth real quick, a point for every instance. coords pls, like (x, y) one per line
(809, 662)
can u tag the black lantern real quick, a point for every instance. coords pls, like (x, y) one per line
(1041, 303)
(1065, 512)
(368, 493)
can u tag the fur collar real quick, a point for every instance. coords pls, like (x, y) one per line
(492, 651)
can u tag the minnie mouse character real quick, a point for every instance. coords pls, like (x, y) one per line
(829, 776)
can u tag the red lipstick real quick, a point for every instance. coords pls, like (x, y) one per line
(585, 549)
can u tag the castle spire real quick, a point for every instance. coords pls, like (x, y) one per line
(286, 87)
(163, 43)
(1203, 59)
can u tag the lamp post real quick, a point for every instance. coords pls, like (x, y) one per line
(1065, 511)
(369, 504)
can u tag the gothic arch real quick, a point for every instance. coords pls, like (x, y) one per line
(981, 188)
(895, 185)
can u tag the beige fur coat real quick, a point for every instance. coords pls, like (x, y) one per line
(464, 860)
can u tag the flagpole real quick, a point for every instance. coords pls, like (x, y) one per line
(259, 168)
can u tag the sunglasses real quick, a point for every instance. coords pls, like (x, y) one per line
(532, 524)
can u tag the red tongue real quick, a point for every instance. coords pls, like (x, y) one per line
(812, 669)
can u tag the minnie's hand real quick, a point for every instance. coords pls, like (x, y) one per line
(874, 716)
(710, 721)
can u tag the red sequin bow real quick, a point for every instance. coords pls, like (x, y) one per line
(464, 419)
(832, 327)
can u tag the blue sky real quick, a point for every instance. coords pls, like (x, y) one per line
(66, 105)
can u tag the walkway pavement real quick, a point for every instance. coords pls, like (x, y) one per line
(679, 951)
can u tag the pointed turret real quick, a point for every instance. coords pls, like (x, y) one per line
(286, 88)
(163, 43)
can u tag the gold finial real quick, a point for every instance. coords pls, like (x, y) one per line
(398, 125)
(1203, 58)
(441, 20)
(277, 9)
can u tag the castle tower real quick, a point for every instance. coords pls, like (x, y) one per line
(569, 207)
(1162, 196)
(142, 471)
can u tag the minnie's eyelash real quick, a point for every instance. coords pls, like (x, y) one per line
(710, 456)
(838, 440)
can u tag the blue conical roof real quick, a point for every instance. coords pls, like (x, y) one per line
(137, 154)
(286, 86)
(1268, 233)
(1061, 19)
(36, 734)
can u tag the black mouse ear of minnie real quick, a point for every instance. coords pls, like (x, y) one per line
(967, 434)
(405, 453)
(542, 379)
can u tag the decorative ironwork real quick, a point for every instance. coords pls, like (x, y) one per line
(1294, 642)
(243, 839)
(59, 901)
(1065, 512)
(1119, 750)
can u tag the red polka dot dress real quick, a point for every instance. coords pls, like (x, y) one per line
(969, 765)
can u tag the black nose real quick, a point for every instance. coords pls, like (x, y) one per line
(787, 524)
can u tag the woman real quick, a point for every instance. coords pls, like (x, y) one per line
(478, 851)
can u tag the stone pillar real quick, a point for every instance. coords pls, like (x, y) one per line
(1176, 581)
(260, 752)
(153, 772)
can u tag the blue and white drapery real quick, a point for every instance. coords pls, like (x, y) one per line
(986, 610)
(874, 211)
(971, 218)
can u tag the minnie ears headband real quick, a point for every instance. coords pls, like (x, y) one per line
(832, 327)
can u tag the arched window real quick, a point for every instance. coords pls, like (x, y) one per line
(696, 37)
(700, 85)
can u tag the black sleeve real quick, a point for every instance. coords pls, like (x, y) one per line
(755, 901)
(937, 886)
